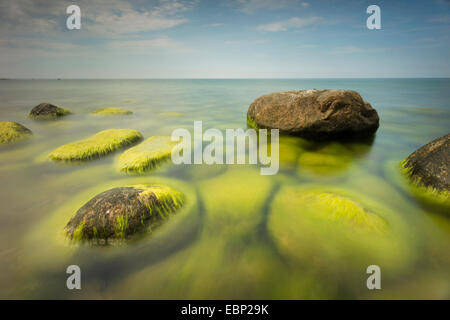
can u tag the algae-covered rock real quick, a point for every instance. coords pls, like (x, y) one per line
(121, 212)
(428, 170)
(147, 154)
(289, 150)
(318, 114)
(331, 158)
(112, 111)
(323, 163)
(234, 201)
(97, 145)
(11, 132)
(172, 114)
(430, 166)
(47, 110)
(336, 227)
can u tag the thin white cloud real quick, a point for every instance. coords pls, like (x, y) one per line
(243, 43)
(151, 43)
(252, 6)
(215, 25)
(307, 46)
(292, 23)
(348, 50)
(441, 19)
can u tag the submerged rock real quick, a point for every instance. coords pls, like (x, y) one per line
(97, 145)
(428, 169)
(147, 154)
(112, 111)
(333, 226)
(332, 158)
(121, 212)
(11, 132)
(316, 114)
(172, 114)
(47, 110)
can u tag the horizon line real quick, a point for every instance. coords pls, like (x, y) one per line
(250, 78)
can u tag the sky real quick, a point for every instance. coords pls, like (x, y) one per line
(224, 39)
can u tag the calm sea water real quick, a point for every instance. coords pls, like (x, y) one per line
(241, 234)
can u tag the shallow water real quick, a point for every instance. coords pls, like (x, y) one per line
(240, 235)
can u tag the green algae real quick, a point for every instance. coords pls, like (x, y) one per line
(289, 150)
(335, 226)
(426, 194)
(172, 114)
(11, 132)
(169, 200)
(234, 200)
(112, 111)
(210, 269)
(160, 202)
(330, 158)
(97, 145)
(322, 163)
(146, 155)
(252, 123)
(120, 227)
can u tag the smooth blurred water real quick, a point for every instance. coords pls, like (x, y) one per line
(225, 245)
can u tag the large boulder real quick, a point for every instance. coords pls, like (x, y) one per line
(316, 114)
(47, 110)
(429, 166)
(121, 212)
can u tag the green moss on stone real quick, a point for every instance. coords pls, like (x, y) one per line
(168, 199)
(323, 163)
(172, 114)
(334, 226)
(426, 194)
(77, 234)
(251, 123)
(121, 226)
(146, 155)
(97, 145)
(107, 218)
(112, 111)
(11, 132)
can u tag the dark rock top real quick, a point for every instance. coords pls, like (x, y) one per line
(120, 212)
(429, 165)
(315, 113)
(47, 110)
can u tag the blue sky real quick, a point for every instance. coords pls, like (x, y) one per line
(224, 39)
